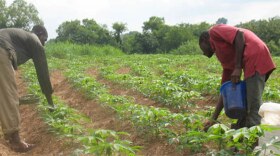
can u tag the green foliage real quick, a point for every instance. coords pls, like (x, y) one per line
(274, 47)
(67, 122)
(192, 140)
(158, 37)
(272, 89)
(95, 143)
(119, 29)
(267, 30)
(68, 50)
(231, 141)
(217, 134)
(166, 78)
(190, 47)
(222, 20)
(130, 44)
(160, 122)
(148, 43)
(154, 24)
(19, 14)
(63, 120)
(175, 36)
(87, 31)
(3, 14)
(154, 122)
(197, 29)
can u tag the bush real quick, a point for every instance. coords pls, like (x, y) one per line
(190, 47)
(274, 47)
(65, 50)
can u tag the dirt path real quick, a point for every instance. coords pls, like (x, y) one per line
(104, 118)
(35, 131)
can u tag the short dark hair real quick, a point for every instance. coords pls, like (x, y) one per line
(204, 36)
(39, 30)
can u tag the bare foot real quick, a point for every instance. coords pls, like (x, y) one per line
(17, 144)
(21, 146)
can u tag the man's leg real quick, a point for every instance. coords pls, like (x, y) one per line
(9, 104)
(255, 86)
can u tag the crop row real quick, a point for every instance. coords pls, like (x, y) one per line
(69, 123)
(184, 130)
(157, 79)
(174, 80)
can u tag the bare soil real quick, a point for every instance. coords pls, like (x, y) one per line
(34, 130)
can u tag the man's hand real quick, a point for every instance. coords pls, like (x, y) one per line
(207, 124)
(236, 74)
(49, 99)
(51, 109)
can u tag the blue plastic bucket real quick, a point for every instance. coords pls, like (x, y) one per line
(234, 99)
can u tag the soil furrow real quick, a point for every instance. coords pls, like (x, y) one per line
(118, 89)
(104, 118)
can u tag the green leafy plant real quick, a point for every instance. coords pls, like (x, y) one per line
(68, 122)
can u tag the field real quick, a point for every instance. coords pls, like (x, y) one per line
(130, 105)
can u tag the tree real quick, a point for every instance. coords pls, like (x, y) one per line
(69, 31)
(268, 30)
(176, 36)
(20, 14)
(154, 30)
(222, 20)
(197, 29)
(131, 42)
(87, 31)
(148, 42)
(119, 29)
(3, 14)
(154, 24)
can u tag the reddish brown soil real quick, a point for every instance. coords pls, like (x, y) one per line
(35, 131)
(117, 89)
(124, 70)
(104, 118)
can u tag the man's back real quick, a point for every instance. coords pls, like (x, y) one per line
(256, 55)
(24, 43)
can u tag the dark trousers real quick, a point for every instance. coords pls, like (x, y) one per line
(254, 90)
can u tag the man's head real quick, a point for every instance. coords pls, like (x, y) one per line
(41, 32)
(205, 45)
